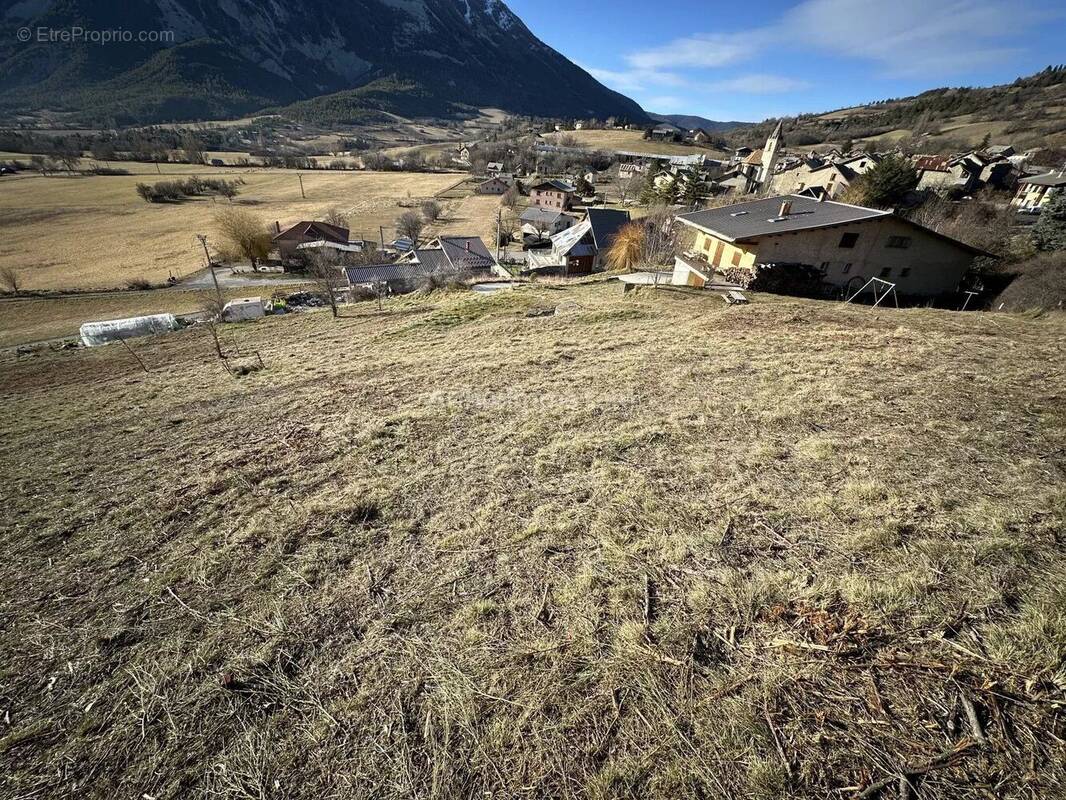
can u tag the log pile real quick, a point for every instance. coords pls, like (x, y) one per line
(794, 279)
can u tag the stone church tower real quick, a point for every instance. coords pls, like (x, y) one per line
(770, 155)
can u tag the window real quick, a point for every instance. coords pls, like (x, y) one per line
(848, 240)
(847, 268)
(736, 258)
(824, 268)
(886, 272)
(899, 242)
(903, 273)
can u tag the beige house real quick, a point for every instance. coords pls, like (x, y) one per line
(828, 179)
(1035, 191)
(849, 244)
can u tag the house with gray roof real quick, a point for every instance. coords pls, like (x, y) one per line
(538, 221)
(848, 244)
(446, 256)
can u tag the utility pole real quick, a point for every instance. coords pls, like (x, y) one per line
(499, 215)
(211, 269)
(301, 177)
(381, 235)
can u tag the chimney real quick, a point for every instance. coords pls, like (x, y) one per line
(277, 227)
(786, 208)
(468, 245)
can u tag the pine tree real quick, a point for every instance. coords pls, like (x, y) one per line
(690, 187)
(1049, 232)
(647, 190)
(668, 189)
(887, 183)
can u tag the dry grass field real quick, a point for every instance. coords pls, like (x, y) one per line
(473, 215)
(643, 546)
(36, 319)
(633, 141)
(79, 232)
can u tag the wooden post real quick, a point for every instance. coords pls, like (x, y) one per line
(301, 177)
(211, 268)
(130, 351)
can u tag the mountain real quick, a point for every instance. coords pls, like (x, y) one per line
(357, 59)
(689, 122)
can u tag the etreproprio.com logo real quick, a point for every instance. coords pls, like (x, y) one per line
(78, 35)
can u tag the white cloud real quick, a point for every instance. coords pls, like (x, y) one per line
(758, 83)
(912, 37)
(701, 50)
(903, 37)
(635, 80)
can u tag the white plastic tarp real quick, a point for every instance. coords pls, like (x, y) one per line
(111, 330)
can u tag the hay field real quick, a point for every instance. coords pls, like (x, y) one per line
(67, 232)
(646, 546)
(633, 141)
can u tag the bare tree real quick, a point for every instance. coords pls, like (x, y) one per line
(10, 280)
(212, 316)
(630, 185)
(191, 148)
(509, 225)
(431, 210)
(69, 155)
(510, 197)
(410, 224)
(326, 272)
(244, 235)
(336, 217)
(660, 236)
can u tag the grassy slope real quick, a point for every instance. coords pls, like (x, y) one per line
(649, 546)
(63, 232)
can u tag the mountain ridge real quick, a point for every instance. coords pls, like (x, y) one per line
(238, 57)
(692, 121)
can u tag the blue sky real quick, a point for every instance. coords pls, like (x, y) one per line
(749, 61)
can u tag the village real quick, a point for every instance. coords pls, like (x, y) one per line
(771, 218)
(491, 399)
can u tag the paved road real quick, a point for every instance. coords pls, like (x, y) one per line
(228, 280)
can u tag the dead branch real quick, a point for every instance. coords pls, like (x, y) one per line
(943, 759)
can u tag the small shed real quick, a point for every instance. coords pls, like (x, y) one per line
(243, 309)
(106, 331)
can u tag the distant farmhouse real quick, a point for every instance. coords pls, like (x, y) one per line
(289, 241)
(494, 185)
(848, 244)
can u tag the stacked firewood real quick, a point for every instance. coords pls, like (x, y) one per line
(797, 279)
